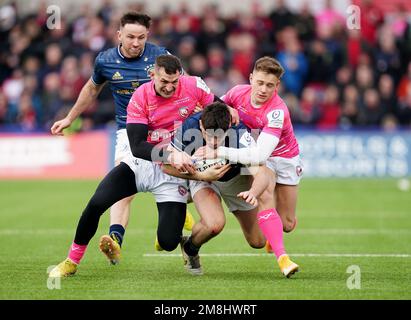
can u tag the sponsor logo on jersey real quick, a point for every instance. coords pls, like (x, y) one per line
(117, 76)
(275, 118)
(135, 84)
(183, 112)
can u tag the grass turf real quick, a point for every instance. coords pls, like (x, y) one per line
(356, 216)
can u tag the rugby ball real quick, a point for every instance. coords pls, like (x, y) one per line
(203, 164)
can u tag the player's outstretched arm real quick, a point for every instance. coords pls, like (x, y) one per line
(87, 96)
(255, 155)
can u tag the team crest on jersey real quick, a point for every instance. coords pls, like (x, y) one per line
(299, 170)
(117, 76)
(182, 190)
(149, 69)
(183, 112)
(154, 135)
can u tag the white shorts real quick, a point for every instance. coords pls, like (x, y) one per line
(122, 148)
(227, 190)
(150, 178)
(288, 170)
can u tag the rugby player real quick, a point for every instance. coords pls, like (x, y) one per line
(155, 111)
(260, 107)
(214, 126)
(125, 68)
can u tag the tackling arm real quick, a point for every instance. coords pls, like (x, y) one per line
(266, 144)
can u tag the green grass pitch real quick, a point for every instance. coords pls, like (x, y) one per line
(340, 222)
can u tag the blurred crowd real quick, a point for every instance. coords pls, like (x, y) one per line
(335, 77)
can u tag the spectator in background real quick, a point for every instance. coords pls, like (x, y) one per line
(404, 112)
(295, 64)
(329, 21)
(26, 115)
(349, 111)
(371, 111)
(53, 60)
(371, 18)
(364, 78)
(293, 104)
(309, 111)
(305, 24)
(185, 50)
(405, 84)
(51, 99)
(320, 63)
(281, 17)
(212, 30)
(344, 77)
(330, 109)
(71, 81)
(354, 47)
(12, 89)
(198, 66)
(388, 99)
(387, 57)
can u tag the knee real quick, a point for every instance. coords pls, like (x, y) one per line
(215, 227)
(289, 225)
(256, 243)
(168, 242)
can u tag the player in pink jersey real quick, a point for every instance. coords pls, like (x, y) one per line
(260, 108)
(142, 173)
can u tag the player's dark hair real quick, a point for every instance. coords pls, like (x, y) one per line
(269, 65)
(216, 116)
(170, 63)
(133, 17)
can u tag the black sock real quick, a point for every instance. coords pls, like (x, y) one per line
(190, 248)
(117, 233)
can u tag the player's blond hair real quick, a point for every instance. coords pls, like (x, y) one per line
(269, 65)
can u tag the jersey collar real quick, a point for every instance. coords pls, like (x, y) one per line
(125, 58)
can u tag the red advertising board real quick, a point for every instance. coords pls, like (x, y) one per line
(43, 156)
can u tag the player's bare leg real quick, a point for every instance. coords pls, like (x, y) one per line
(212, 217)
(286, 203)
(211, 223)
(250, 228)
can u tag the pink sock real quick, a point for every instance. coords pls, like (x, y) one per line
(272, 227)
(76, 252)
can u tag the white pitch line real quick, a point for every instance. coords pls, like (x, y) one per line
(308, 231)
(330, 255)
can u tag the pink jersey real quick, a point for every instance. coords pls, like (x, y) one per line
(164, 115)
(273, 117)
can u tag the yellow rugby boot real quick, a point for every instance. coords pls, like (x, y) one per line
(157, 246)
(63, 269)
(287, 267)
(111, 249)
